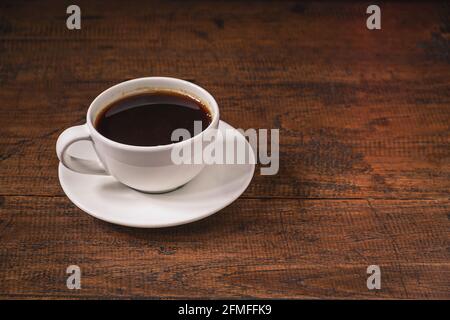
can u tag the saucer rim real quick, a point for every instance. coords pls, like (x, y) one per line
(162, 225)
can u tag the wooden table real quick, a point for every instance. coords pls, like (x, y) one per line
(364, 173)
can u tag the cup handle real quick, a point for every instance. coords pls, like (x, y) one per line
(72, 135)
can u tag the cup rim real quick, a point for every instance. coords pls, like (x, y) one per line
(185, 84)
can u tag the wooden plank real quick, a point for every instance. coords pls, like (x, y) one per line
(253, 248)
(361, 114)
(364, 123)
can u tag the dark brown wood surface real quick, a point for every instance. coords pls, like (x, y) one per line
(364, 119)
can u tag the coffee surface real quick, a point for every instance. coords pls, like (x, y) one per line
(149, 119)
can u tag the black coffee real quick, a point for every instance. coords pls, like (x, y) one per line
(149, 119)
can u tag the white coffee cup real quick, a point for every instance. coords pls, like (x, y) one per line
(148, 169)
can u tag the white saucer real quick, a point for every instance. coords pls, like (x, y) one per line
(104, 198)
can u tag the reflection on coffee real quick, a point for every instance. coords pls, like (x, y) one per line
(148, 119)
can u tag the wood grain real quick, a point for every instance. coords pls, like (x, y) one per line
(253, 248)
(364, 119)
